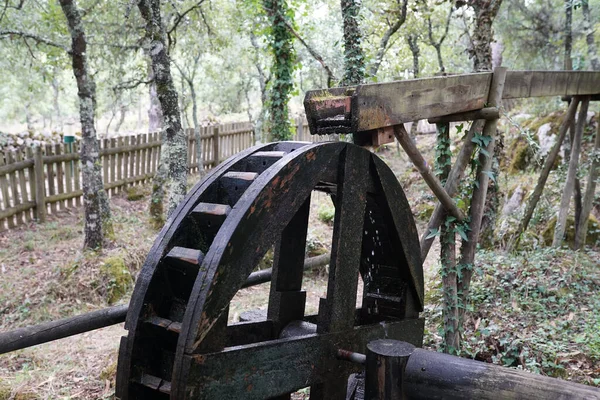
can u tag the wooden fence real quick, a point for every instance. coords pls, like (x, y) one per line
(49, 178)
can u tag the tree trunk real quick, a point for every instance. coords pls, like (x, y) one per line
(174, 148)
(483, 34)
(561, 221)
(448, 248)
(589, 36)
(568, 37)
(95, 200)
(122, 111)
(413, 44)
(283, 65)
(438, 45)
(548, 163)
(155, 115)
(354, 59)
(588, 200)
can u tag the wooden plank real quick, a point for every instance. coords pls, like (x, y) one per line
(149, 140)
(31, 180)
(59, 175)
(120, 156)
(50, 176)
(112, 160)
(5, 193)
(272, 368)
(379, 105)
(142, 160)
(40, 186)
(77, 174)
(104, 161)
(520, 84)
(131, 154)
(69, 176)
(216, 150)
(14, 183)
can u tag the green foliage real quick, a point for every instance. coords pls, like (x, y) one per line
(326, 213)
(116, 278)
(284, 63)
(354, 59)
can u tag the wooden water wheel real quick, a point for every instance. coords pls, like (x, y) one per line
(179, 344)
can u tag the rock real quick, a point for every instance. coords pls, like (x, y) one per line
(515, 202)
(546, 138)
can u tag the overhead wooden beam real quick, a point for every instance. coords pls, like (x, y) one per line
(375, 106)
(487, 113)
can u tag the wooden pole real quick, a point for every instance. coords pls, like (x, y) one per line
(40, 201)
(385, 366)
(451, 187)
(548, 164)
(487, 113)
(588, 199)
(54, 330)
(469, 246)
(419, 162)
(215, 146)
(431, 375)
(565, 201)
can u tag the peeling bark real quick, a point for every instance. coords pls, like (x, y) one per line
(95, 200)
(174, 147)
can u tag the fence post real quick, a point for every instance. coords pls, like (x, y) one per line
(40, 199)
(299, 129)
(216, 145)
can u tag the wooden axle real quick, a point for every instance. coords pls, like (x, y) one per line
(424, 374)
(48, 331)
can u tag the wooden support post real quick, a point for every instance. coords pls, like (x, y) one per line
(451, 187)
(548, 164)
(480, 191)
(215, 146)
(561, 221)
(40, 199)
(419, 162)
(488, 113)
(385, 366)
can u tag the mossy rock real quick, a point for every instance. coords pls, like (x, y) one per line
(326, 213)
(593, 232)
(116, 277)
(519, 155)
(109, 373)
(135, 193)
(554, 119)
(423, 211)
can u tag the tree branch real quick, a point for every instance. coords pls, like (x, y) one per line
(383, 46)
(38, 39)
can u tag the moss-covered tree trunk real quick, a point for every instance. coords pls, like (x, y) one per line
(95, 199)
(443, 166)
(481, 52)
(174, 147)
(354, 59)
(284, 58)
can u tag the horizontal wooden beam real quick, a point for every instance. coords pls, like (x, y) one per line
(487, 113)
(273, 368)
(374, 106)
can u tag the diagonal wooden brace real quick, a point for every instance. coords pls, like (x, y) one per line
(434, 184)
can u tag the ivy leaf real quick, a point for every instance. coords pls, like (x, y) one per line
(490, 175)
(433, 233)
(462, 233)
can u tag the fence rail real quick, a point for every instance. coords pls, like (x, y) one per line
(47, 179)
